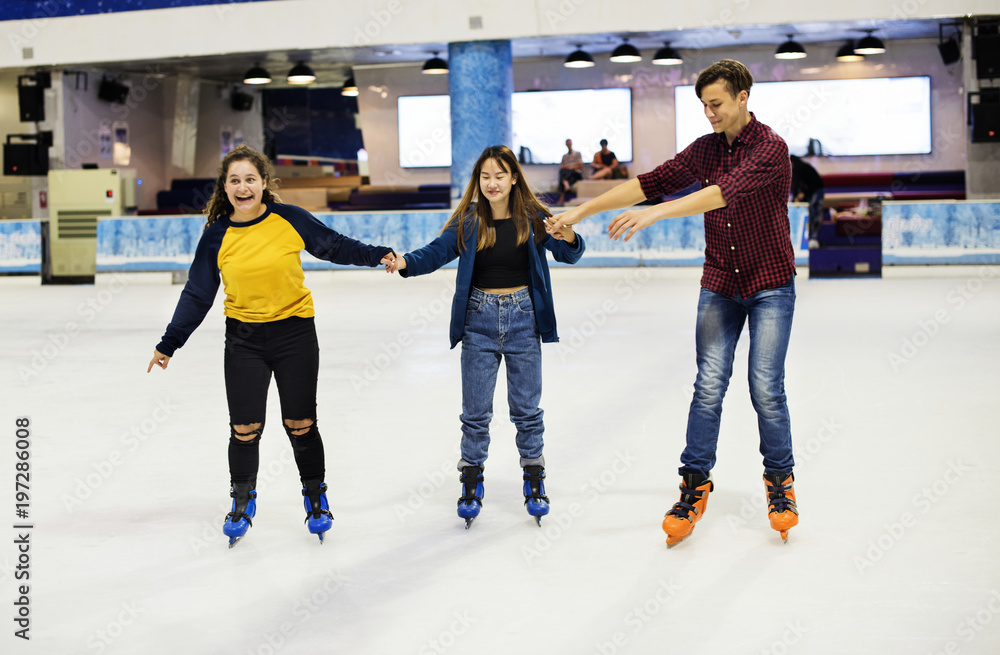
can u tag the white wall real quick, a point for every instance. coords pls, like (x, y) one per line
(216, 112)
(308, 24)
(653, 108)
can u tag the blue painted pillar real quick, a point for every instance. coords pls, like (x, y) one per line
(480, 83)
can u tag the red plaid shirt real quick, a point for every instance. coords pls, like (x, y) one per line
(748, 247)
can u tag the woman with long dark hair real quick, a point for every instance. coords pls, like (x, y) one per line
(502, 310)
(253, 243)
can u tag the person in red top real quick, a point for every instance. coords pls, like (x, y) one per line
(748, 278)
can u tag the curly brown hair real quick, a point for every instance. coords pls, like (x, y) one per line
(524, 206)
(219, 205)
(735, 75)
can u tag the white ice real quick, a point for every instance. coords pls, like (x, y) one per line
(893, 386)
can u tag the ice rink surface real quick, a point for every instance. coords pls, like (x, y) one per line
(893, 386)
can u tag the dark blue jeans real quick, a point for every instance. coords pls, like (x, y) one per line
(501, 327)
(768, 315)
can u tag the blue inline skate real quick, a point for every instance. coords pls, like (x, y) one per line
(238, 521)
(318, 516)
(472, 493)
(535, 500)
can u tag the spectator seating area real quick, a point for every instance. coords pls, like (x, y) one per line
(315, 193)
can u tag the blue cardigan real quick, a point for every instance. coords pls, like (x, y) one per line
(443, 249)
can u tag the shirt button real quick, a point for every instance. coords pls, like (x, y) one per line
(732, 247)
(729, 224)
(737, 270)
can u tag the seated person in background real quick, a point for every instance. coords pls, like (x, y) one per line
(604, 163)
(570, 171)
(607, 166)
(807, 186)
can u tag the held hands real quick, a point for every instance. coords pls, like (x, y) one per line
(564, 233)
(561, 221)
(394, 264)
(159, 359)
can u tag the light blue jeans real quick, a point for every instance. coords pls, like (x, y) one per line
(501, 327)
(768, 314)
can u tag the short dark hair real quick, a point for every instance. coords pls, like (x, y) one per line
(733, 73)
(604, 142)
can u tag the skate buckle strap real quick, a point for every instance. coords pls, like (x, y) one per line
(470, 485)
(778, 501)
(534, 479)
(682, 510)
(232, 515)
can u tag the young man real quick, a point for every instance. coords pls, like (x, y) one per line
(570, 171)
(748, 277)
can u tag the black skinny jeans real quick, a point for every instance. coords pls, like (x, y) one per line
(289, 350)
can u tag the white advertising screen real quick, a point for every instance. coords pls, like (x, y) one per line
(875, 116)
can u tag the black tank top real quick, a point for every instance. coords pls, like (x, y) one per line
(504, 264)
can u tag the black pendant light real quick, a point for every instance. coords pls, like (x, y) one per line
(257, 75)
(626, 53)
(578, 58)
(435, 66)
(870, 45)
(350, 87)
(301, 74)
(667, 56)
(847, 53)
(790, 50)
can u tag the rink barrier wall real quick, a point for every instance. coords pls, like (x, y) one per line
(950, 232)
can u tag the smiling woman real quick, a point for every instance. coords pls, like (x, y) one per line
(253, 243)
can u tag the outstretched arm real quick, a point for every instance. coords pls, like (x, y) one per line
(699, 202)
(623, 195)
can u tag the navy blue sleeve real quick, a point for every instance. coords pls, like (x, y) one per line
(434, 255)
(199, 292)
(327, 244)
(565, 252)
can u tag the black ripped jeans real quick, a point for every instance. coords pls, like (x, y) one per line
(289, 350)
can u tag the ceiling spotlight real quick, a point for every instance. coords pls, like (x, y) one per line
(848, 53)
(301, 74)
(435, 66)
(350, 88)
(790, 50)
(257, 75)
(667, 56)
(578, 58)
(626, 53)
(870, 45)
